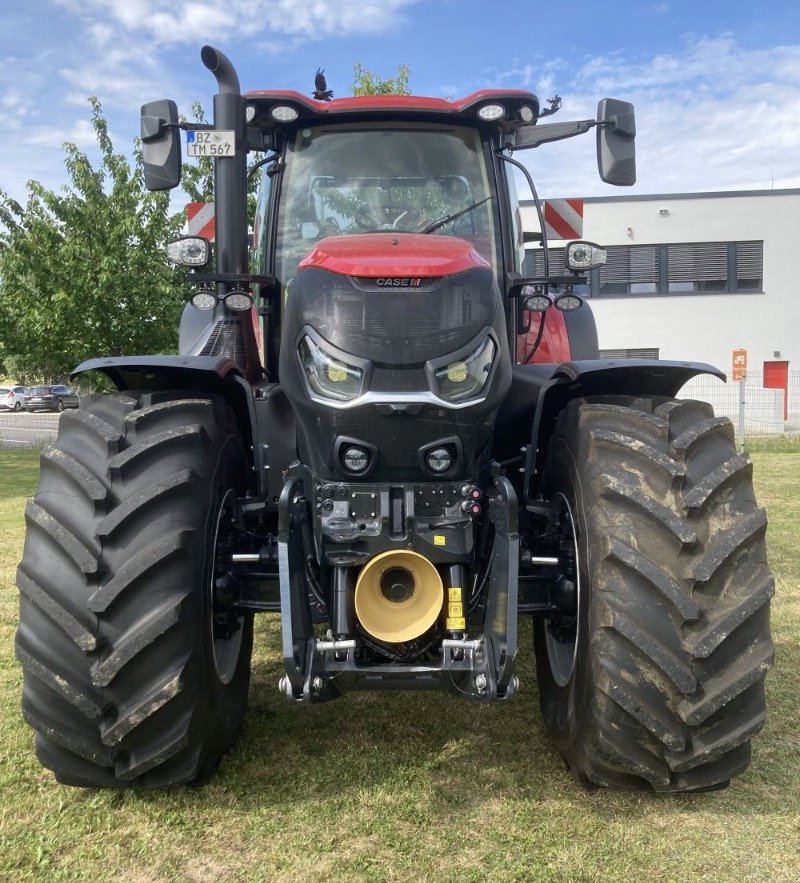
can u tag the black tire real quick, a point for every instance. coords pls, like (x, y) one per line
(59, 406)
(665, 687)
(120, 653)
(17, 406)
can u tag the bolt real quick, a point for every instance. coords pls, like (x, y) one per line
(480, 683)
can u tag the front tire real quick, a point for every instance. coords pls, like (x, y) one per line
(118, 638)
(671, 643)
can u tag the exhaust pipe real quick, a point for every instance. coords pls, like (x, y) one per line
(219, 64)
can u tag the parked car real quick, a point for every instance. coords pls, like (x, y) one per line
(12, 398)
(50, 398)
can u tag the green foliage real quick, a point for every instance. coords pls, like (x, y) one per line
(83, 271)
(197, 176)
(368, 83)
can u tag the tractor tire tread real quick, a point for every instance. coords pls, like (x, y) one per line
(116, 681)
(680, 590)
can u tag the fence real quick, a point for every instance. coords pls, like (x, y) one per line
(19, 429)
(756, 412)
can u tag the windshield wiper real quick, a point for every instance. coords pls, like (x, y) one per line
(448, 218)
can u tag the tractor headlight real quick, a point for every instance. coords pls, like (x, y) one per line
(327, 376)
(465, 378)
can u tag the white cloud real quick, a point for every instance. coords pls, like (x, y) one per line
(79, 132)
(165, 21)
(711, 116)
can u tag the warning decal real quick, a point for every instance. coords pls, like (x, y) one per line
(200, 219)
(563, 218)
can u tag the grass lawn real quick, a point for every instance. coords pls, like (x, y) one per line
(406, 786)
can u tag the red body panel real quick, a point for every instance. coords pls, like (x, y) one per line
(554, 345)
(393, 255)
(395, 103)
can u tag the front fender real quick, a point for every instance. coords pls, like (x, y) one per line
(539, 392)
(215, 375)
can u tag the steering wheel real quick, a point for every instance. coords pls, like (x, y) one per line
(364, 220)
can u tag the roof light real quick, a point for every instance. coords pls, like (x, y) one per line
(284, 113)
(491, 112)
(526, 113)
(250, 113)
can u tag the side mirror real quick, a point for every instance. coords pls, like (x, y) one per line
(616, 142)
(161, 145)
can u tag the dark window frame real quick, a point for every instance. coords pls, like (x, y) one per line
(739, 258)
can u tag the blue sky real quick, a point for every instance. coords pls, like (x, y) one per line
(716, 84)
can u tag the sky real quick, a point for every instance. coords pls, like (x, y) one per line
(716, 84)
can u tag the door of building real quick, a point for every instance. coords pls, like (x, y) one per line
(776, 376)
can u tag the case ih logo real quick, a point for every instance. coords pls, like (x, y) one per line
(398, 282)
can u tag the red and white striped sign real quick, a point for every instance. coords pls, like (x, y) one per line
(200, 219)
(563, 218)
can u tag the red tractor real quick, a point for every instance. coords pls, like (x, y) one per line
(380, 428)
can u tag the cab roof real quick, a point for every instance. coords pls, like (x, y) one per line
(399, 106)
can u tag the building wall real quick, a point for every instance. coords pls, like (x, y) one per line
(703, 327)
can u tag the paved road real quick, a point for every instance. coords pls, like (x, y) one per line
(24, 430)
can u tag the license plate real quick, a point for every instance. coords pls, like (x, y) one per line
(218, 143)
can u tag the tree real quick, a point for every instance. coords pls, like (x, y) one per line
(369, 83)
(83, 271)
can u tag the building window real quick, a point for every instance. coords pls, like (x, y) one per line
(749, 266)
(629, 270)
(674, 268)
(644, 352)
(699, 267)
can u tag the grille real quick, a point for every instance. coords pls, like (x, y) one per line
(226, 340)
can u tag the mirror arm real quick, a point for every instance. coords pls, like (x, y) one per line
(539, 210)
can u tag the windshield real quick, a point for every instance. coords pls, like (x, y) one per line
(406, 179)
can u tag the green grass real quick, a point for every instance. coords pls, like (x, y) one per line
(776, 444)
(406, 786)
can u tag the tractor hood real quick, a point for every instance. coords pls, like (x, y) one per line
(396, 259)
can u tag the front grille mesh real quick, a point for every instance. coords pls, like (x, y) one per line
(226, 340)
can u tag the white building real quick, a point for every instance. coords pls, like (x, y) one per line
(695, 277)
